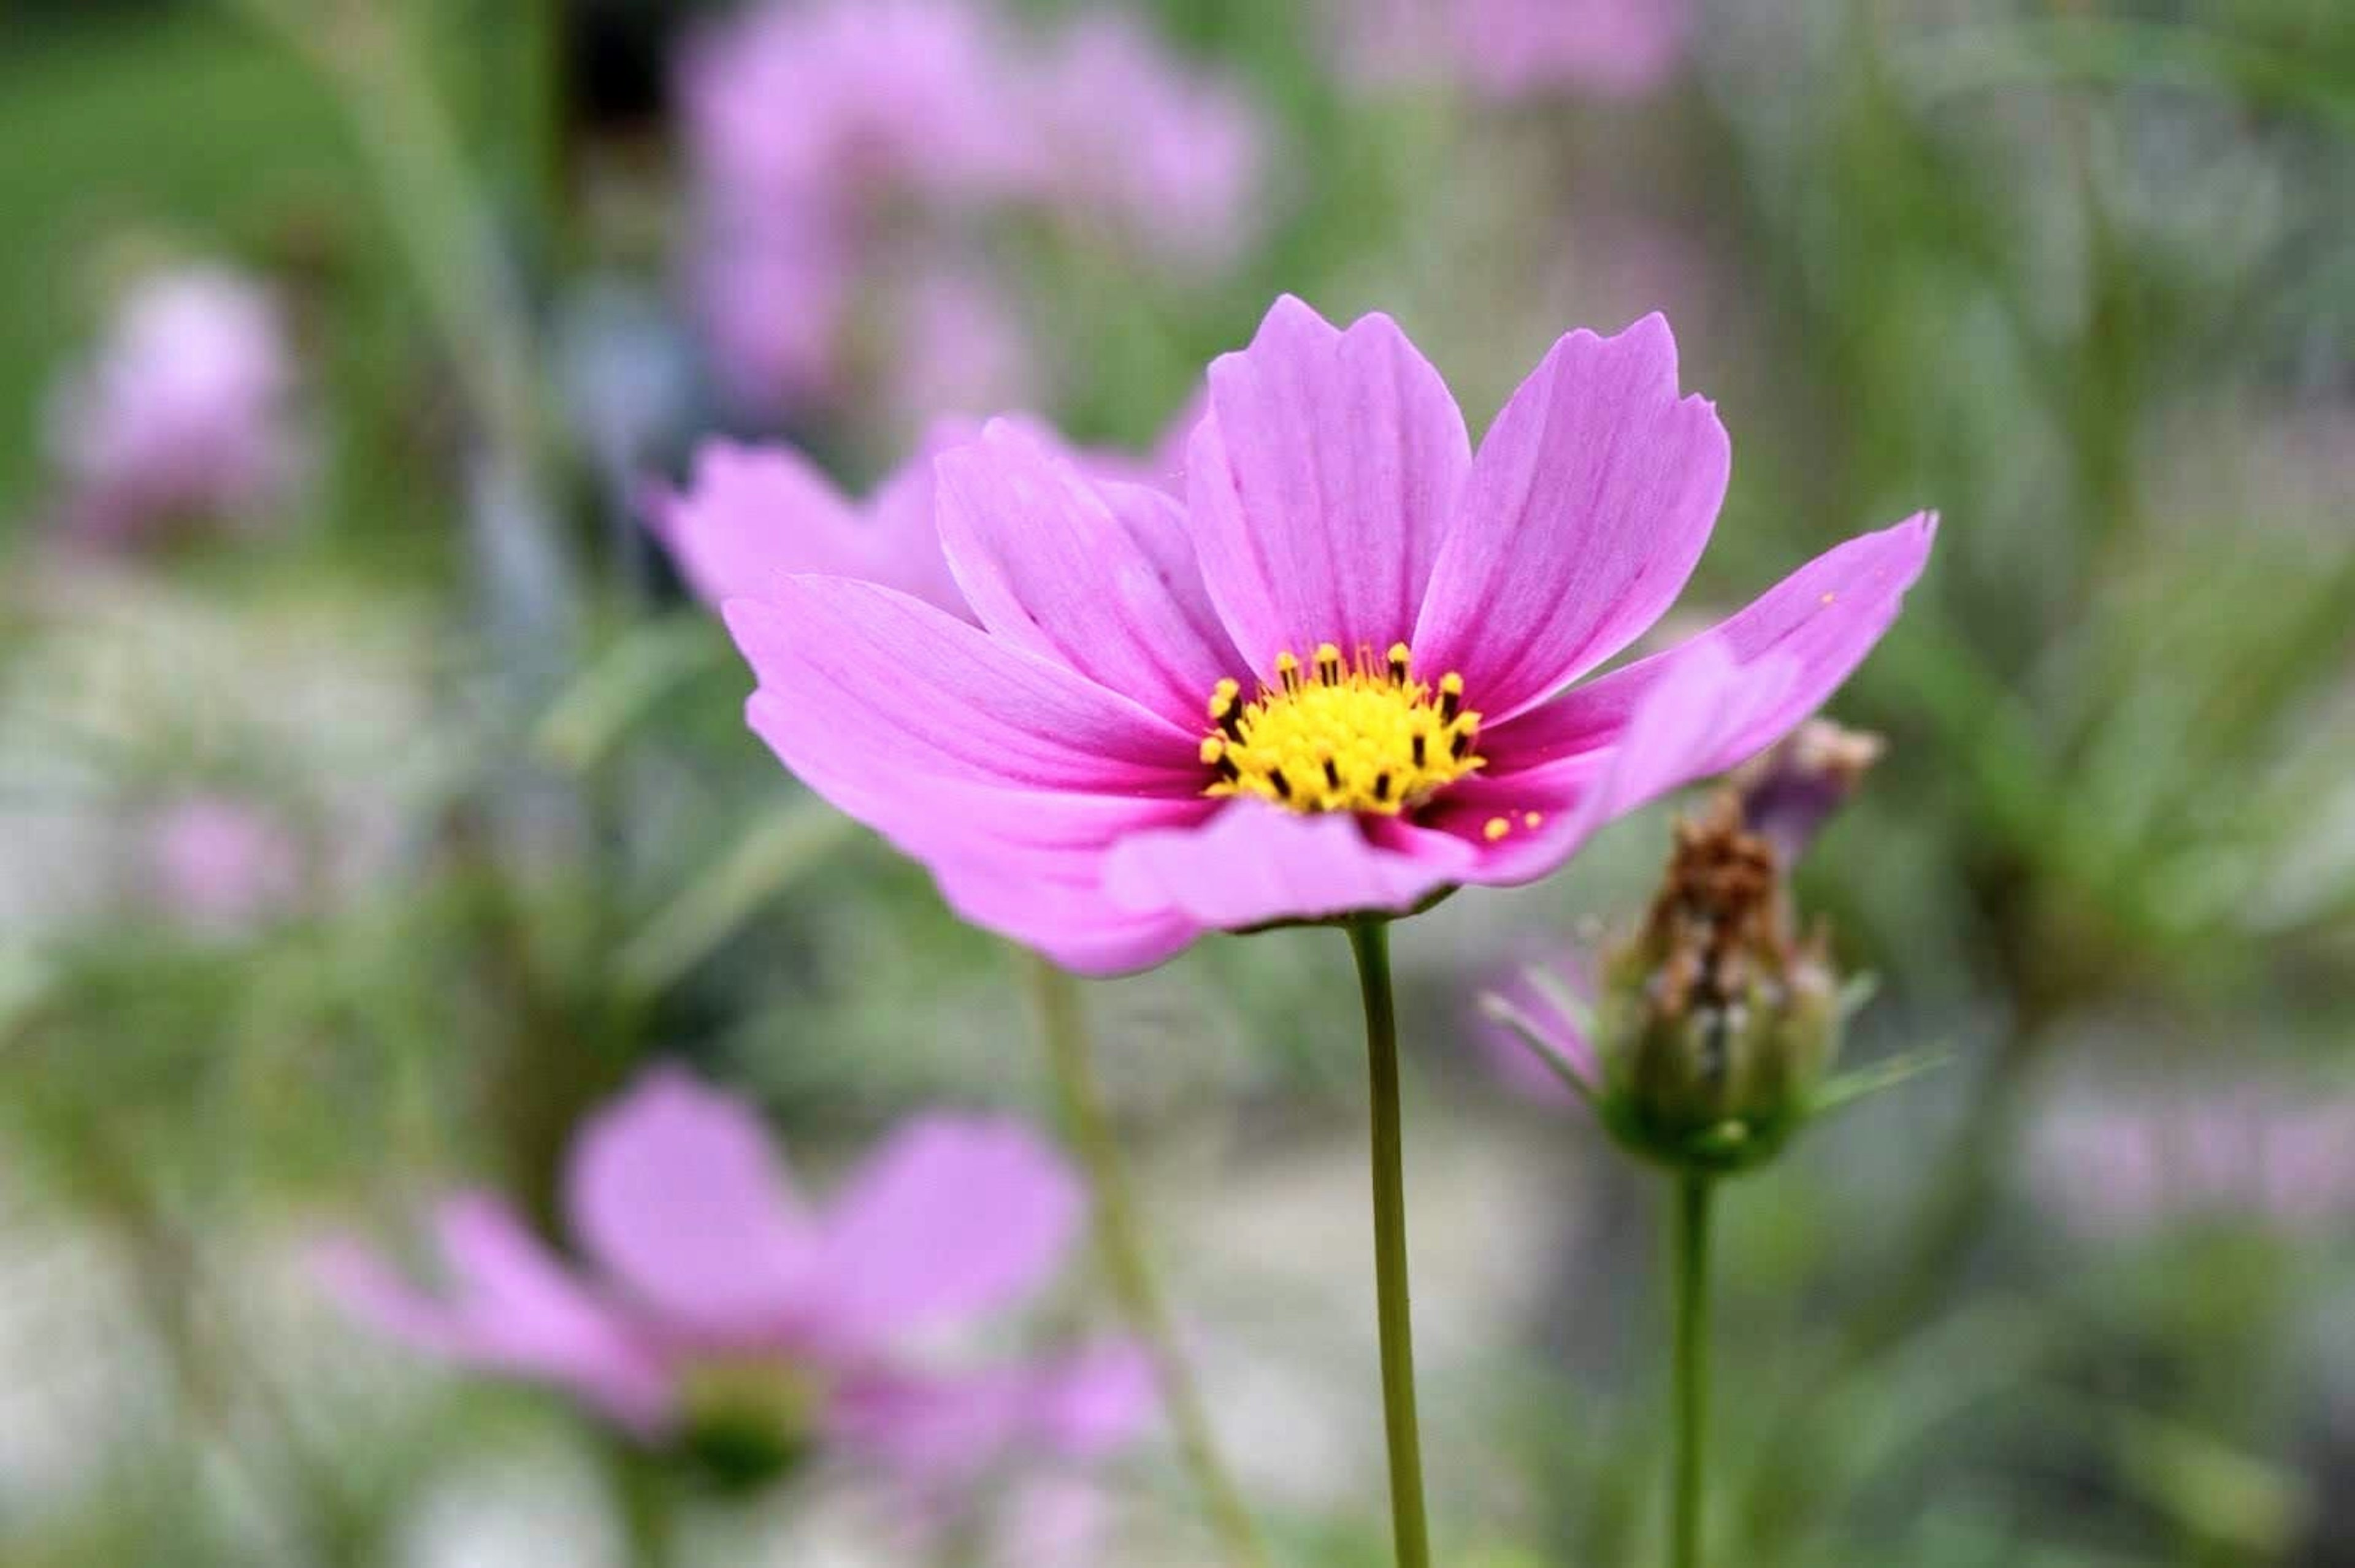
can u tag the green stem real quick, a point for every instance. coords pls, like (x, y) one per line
(1369, 942)
(1120, 1244)
(1692, 1242)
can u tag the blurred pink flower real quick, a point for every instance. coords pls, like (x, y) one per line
(810, 130)
(1513, 48)
(787, 104)
(1087, 771)
(222, 863)
(1167, 154)
(183, 412)
(847, 154)
(771, 303)
(2115, 1163)
(707, 1270)
(963, 345)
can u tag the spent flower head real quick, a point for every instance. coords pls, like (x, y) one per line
(1705, 1038)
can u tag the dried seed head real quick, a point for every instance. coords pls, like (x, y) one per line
(1716, 1024)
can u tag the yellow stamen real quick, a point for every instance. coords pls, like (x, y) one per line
(1533, 819)
(1364, 735)
(1495, 827)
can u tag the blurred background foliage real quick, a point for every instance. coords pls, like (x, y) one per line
(2081, 275)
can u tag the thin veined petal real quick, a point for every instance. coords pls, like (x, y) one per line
(1061, 911)
(1824, 617)
(1051, 564)
(952, 1218)
(1589, 500)
(870, 683)
(1254, 863)
(677, 1192)
(1320, 481)
(1025, 863)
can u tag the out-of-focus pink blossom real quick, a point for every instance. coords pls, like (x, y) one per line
(847, 157)
(790, 104)
(221, 863)
(964, 346)
(1132, 137)
(1515, 49)
(709, 1272)
(2124, 1162)
(814, 132)
(183, 410)
(770, 303)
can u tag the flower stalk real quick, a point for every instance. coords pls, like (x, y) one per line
(1369, 942)
(1120, 1245)
(1691, 1242)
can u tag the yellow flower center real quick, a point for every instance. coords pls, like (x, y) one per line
(1357, 736)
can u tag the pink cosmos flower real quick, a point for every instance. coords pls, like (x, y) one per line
(221, 863)
(183, 414)
(1330, 681)
(715, 1286)
(1511, 48)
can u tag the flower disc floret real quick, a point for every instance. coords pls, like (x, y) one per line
(1356, 735)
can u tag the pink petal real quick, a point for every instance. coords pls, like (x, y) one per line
(753, 514)
(1254, 863)
(947, 1430)
(1099, 580)
(1095, 1403)
(1824, 617)
(1588, 504)
(1687, 726)
(1068, 918)
(1025, 863)
(1320, 482)
(677, 1192)
(863, 682)
(953, 1218)
(511, 1308)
